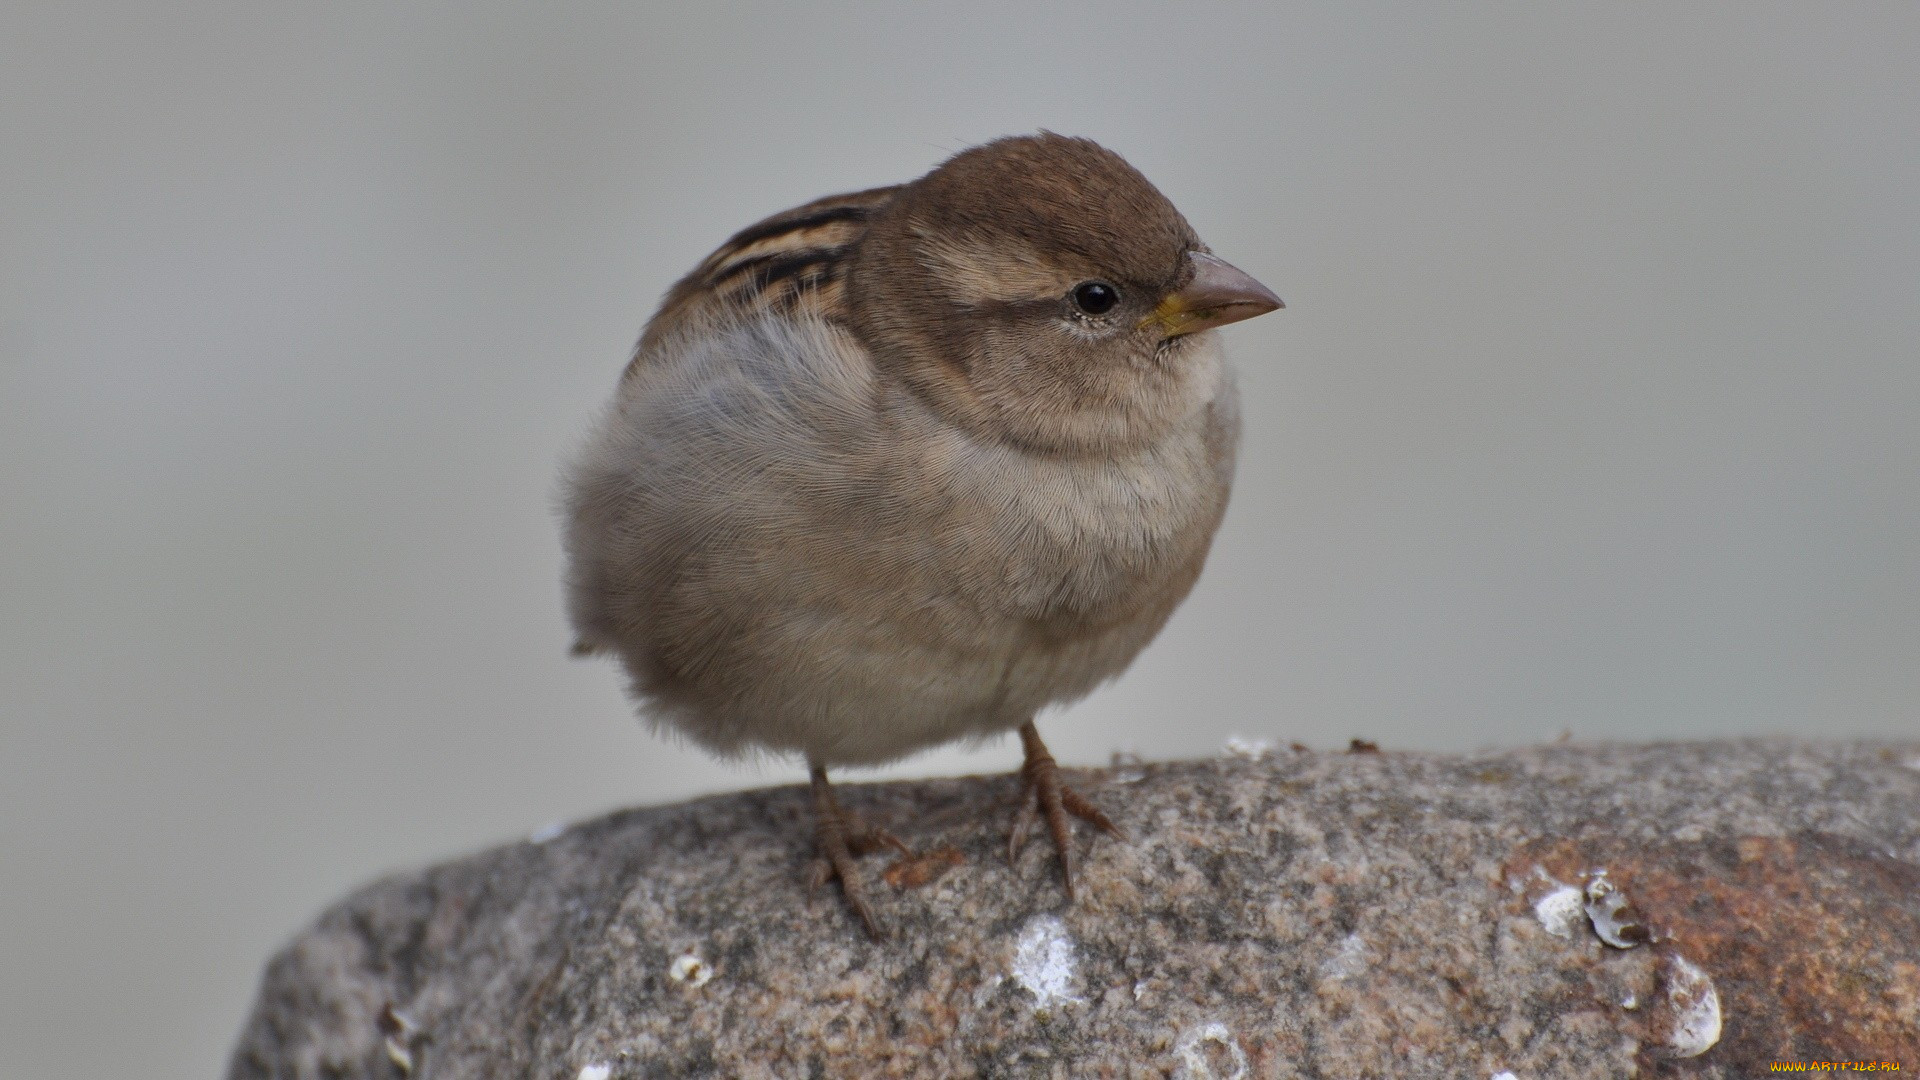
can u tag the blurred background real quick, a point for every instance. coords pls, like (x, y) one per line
(1595, 407)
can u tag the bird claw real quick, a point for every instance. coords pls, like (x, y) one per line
(843, 838)
(864, 839)
(1044, 794)
(1022, 822)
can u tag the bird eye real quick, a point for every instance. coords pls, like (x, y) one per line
(1095, 297)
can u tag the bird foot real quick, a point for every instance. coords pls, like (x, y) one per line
(843, 838)
(1044, 794)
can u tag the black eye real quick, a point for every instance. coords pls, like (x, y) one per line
(1095, 297)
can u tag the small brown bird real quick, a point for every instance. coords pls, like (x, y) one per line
(909, 465)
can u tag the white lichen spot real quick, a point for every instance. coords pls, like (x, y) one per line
(1607, 909)
(1348, 960)
(401, 1057)
(1561, 911)
(1696, 1008)
(553, 830)
(1251, 749)
(595, 1071)
(1193, 1053)
(1504, 1075)
(1044, 961)
(690, 969)
(1631, 1001)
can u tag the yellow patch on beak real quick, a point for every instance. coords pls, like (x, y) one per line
(1172, 315)
(1218, 294)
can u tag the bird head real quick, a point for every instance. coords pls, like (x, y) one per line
(1041, 290)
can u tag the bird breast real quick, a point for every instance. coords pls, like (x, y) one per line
(760, 496)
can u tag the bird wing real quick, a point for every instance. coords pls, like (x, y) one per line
(792, 263)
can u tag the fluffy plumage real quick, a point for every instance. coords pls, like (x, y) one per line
(875, 480)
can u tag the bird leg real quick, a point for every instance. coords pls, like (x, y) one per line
(1045, 794)
(843, 838)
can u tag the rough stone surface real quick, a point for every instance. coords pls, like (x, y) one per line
(1272, 914)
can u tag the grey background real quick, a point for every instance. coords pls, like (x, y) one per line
(1595, 408)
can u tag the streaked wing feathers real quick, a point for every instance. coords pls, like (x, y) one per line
(791, 263)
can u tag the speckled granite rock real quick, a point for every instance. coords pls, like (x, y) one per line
(1273, 914)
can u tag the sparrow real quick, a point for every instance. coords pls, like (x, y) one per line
(907, 466)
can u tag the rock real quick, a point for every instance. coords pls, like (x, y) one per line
(1272, 914)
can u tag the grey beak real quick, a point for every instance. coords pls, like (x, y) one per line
(1219, 294)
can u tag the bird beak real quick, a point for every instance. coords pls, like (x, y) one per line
(1218, 294)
